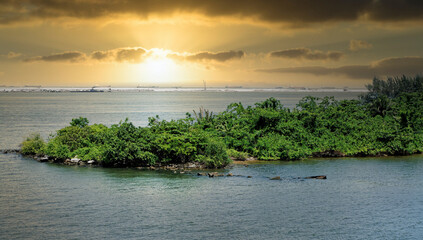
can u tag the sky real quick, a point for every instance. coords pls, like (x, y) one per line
(274, 43)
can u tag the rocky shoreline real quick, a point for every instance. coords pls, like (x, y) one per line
(195, 165)
(186, 168)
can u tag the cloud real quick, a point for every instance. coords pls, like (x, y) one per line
(130, 55)
(218, 57)
(134, 55)
(102, 55)
(11, 55)
(282, 11)
(384, 67)
(307, 54)
(356, 45)
(73, 56)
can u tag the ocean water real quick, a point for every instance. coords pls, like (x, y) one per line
(363, 198)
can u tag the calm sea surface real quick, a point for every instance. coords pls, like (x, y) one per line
(363, 198)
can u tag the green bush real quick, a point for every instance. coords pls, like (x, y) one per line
(79, 122)
(215, 152)
(33, 145)
(58, 150)
(237, 155)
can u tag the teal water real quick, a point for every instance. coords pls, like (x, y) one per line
(365, 198)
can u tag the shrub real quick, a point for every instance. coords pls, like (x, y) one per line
(79, 122)
(237, 155)
(58, 150)
(33, 145)
(216, 155)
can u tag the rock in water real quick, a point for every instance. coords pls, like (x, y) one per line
(43, 159)
(276, 178)
(316, 177)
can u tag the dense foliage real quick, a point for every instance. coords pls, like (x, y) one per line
(386, 120)
(33, 145)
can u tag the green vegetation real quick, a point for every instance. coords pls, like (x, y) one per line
(386, 120)
(33, 145)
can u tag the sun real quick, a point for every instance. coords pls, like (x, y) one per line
(158, 68)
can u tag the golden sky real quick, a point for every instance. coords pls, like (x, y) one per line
(126, 43)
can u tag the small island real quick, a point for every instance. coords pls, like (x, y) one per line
(387, 120)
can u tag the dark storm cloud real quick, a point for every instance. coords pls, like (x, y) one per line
(384, 67)
(219, 56)
(305, 53)
(59, 57)
(277, 11)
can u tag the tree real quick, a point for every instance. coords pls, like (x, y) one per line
(79, 122)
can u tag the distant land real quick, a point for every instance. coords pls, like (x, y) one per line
(174, 89)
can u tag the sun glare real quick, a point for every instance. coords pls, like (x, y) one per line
(157, 68)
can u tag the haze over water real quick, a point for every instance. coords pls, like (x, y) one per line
(368, 198)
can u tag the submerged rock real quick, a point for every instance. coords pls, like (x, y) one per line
(215, 174)
(6, 151)
(276, 178)
(316, 177)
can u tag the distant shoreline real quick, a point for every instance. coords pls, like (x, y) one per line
(175, 89)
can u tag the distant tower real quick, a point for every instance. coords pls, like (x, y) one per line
(205, 85)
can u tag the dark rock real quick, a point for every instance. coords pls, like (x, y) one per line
(229, 175)
(6, 151)
(316, 177)
(249, 176)
(215, 174)
(276, 178)
(201, 174)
